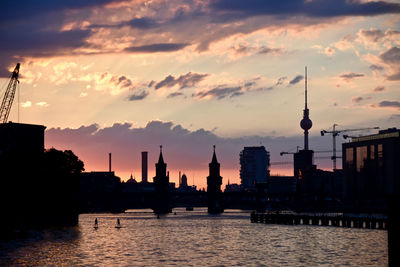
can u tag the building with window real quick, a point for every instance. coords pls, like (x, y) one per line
(371, 168)
(254, 166)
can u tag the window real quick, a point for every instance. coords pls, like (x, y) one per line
(349, 156)
(372, 152)
(380, 155)
(361, 156)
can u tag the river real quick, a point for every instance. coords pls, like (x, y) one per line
(194, 238)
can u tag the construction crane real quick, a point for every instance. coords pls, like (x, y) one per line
(9, 95)
(335, 133)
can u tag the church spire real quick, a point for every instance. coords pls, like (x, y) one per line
(161, 159)
(161, 167)
(214, 158)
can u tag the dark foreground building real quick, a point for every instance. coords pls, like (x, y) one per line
(38, 188)
(371, 166)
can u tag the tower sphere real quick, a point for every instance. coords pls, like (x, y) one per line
(306, 124)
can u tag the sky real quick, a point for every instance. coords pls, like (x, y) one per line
(125, 76)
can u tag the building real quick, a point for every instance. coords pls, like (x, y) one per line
(21, 138)
(371, 168)
(254, 166)
(183, 185)
(144, 166)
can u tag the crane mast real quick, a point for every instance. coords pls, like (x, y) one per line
(335, 133)
(9, 95)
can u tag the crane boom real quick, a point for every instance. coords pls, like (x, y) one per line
(9, 95)
(335, 133)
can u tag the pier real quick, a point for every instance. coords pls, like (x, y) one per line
(336, 220)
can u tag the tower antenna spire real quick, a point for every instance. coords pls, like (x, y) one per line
(305, 123)
(305, 85)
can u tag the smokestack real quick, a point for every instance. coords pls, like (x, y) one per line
(109, 162)
(144, 166)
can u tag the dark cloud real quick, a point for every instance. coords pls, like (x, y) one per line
(376, 67)
(296, 79)
(32, 29)
(351, 75)
(373, 35)
(315, 8)
(267, 50)
(389, 104)
(138, 96)
(121, 81)
(379, 89)
(182, 148)
(357, 99)
(153, 48)
(25, 9)
(220, 92)
(187, 80)
(142, 23)
(243, 49)
(392, 58)
(175, 94)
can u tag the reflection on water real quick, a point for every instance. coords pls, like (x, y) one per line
(194, 238)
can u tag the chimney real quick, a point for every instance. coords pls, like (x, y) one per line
(144, 166)
(109, 162)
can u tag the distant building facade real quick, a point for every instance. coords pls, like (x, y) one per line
(371, 166)
(254, 166)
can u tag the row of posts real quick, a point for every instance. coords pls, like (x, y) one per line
(323, 220)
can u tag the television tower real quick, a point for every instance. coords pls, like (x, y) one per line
(306, 123)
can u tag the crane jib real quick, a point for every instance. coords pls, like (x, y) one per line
(8, 98)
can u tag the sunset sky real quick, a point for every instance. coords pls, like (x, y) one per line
(125, 76)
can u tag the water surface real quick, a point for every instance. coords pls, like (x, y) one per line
(194, 238)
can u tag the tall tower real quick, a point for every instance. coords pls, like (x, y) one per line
(214, 182)
(306, 123)
(161, 187)
(303, 160)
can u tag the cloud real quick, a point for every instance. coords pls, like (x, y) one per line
(357, 99)
(183, 149)
(351, 75)
(389, 104)
(379, 89)
(42, 104)
(154, 48)
(296, 79)
(58, 28)
(376, 67)
(392, 58)
(175, 94)
(138, 96)
(187, 80)
(373, 36)
(219, 92)
(26, 104)
(315, 8)
(267, 50)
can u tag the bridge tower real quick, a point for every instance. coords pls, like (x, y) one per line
(214, 182)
